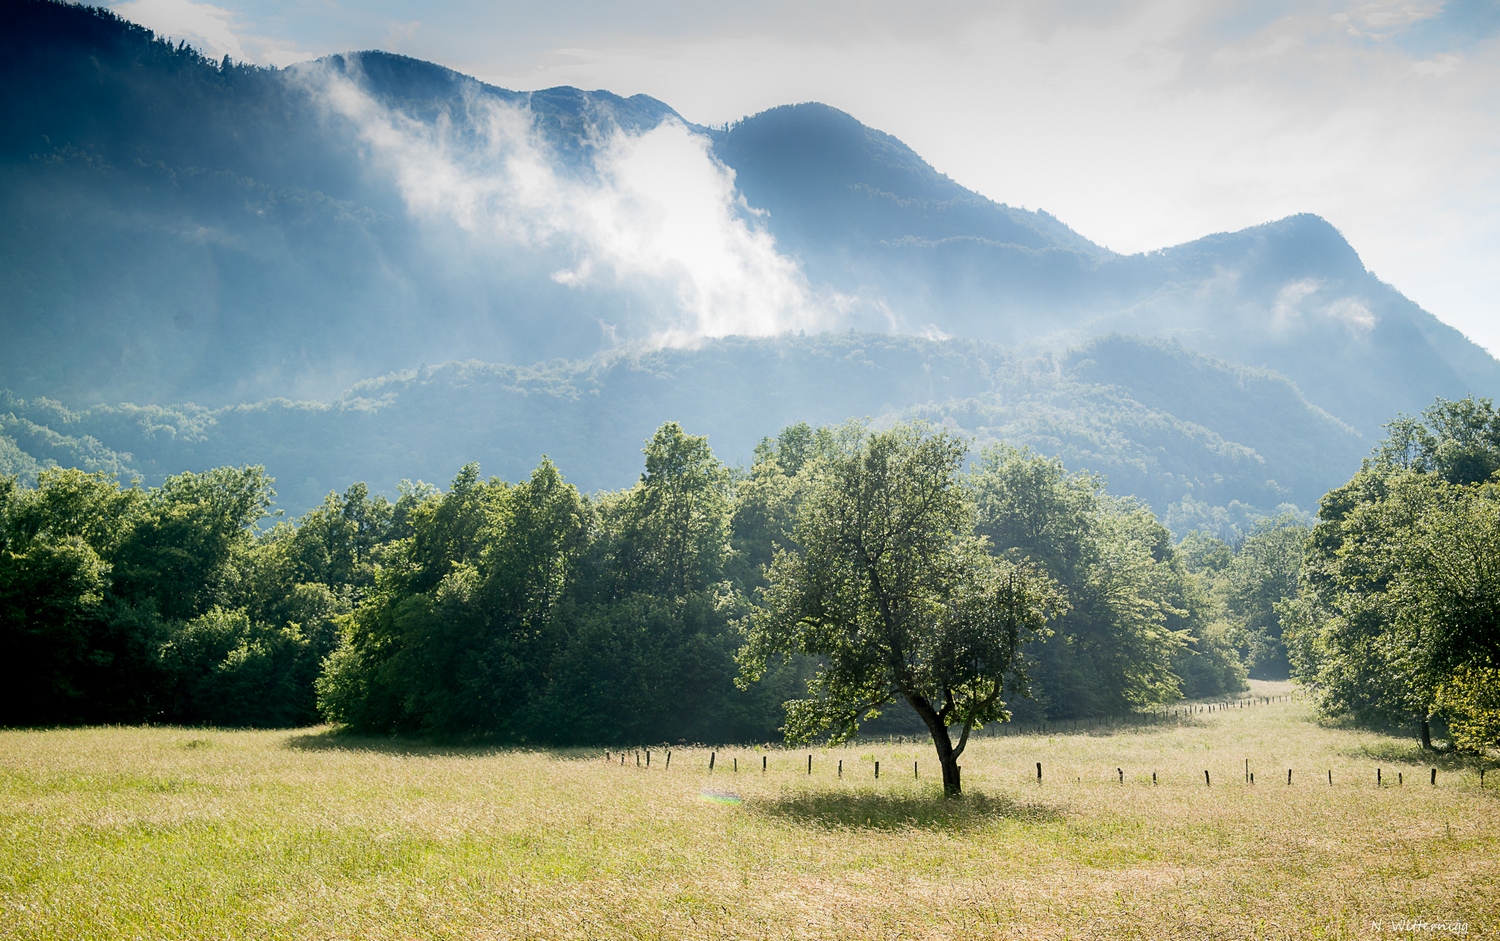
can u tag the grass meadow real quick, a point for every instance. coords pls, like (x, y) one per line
(157, 833)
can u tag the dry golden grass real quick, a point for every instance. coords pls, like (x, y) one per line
(190, 833)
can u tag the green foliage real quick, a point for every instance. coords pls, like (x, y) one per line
(1458, 441)
(1470, 700)
(1138, 625)
(226, 669)
(125, 605)
(1264, 573)
(893, 592)
(531, 613)
(528, 613)
(1399, 615)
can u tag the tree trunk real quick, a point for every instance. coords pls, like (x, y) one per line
(943, 742)
(1426, 732)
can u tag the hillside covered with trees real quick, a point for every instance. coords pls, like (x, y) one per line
(530, 611)
(1207, 445)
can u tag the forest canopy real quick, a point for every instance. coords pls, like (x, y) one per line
(529, 612)
(1398, 614)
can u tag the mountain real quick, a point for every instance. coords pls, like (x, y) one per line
(1201, 434)
(868, 216)
(236, 250)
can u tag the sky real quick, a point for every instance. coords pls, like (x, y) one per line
(1140, 124)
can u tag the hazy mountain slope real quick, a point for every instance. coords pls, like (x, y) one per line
(1208, 432)
(869, 216)
(1293, 296)
(182, 230)
(175, 229)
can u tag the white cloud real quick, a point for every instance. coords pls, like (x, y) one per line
(658, 214)
(208, 28)
(1438, 66)
(1353, 312)
(214, 30)
(1287, 308)
(1290, 307)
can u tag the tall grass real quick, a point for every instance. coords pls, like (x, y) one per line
(192, 833)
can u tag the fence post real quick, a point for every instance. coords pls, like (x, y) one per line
(1206, 781)
(841, 767)
(809, 764)
(877, 771)
(1121, 773)
(669, 758)
(1434, 776)
(914, 769)
(1153, 777)
(1039, 772)
(711, 757)
(1289, 776)
(762, 764)
(648, 757)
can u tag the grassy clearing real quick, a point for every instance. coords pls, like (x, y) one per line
(191, 833)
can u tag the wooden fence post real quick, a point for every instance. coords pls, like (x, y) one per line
(669, 758)
(1206, 781)
(711, 757)
(1039, 772)
(1434, 776)
(1121, 773)
(877, 771)
(809, 764)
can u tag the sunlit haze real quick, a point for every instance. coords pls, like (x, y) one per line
(1141, 125)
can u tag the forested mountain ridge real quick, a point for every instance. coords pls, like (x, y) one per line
(180, 231)
(1199, 434)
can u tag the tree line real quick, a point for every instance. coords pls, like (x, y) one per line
(847, 572)
(1397, 615)
(531, 612)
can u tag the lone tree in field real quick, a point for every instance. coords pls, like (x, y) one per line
(892, 591)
